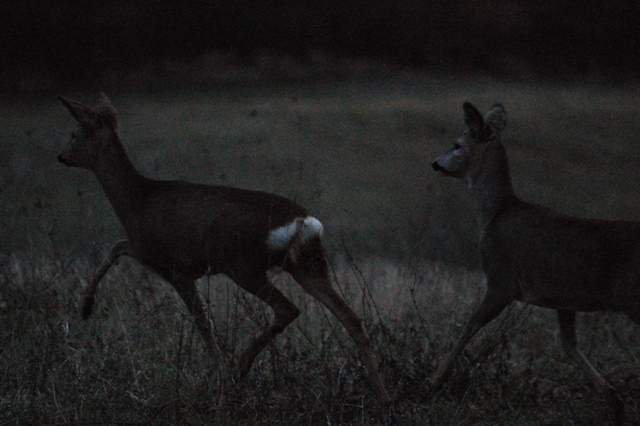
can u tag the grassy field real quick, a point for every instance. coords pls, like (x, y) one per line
(402, 240)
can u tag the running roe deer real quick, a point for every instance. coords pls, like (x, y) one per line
(184, 231)
(531, 254)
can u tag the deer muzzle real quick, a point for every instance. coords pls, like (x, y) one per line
(437, 167)
(63, 160)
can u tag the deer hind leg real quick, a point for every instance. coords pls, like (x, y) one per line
(491, 306)
(285, 312)
(310, 271)
(120, 248)
(187, 290)
(567, 320)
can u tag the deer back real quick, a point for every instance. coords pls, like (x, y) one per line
(558, 261)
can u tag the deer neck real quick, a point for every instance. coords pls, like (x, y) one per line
(490, 186)
(123, 185)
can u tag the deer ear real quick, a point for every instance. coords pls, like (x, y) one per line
(496, 117)
(106, 105)
(473, 120)
(107, 111)
(87, 117)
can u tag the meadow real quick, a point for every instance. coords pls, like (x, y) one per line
(356, 149)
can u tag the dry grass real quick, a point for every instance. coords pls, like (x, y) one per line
(138, 360)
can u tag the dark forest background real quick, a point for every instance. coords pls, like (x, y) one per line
(81, 40)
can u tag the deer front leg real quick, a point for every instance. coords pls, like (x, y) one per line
(492, 305)
(119, 248)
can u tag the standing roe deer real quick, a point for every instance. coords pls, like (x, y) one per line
(184, 231)
(531, 254)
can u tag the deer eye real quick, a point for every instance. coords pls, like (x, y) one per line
(456, 146)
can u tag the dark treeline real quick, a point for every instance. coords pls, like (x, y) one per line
(82, 39)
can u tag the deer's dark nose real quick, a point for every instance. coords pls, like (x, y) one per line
(62, 159)
(437, 167)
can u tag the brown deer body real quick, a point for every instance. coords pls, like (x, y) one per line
(184, 231)
(531, 254)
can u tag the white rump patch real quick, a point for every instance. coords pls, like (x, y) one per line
(303, 228)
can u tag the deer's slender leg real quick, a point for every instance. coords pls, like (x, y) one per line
(187, 290)
(285, 312)
(320, 288)
(120, 248)
(567, 320)
(311, 273)
(492, 305)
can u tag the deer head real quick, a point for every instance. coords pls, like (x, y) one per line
(468, 153)
(93, 136)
